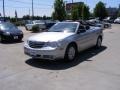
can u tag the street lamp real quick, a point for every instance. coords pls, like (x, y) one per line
(32, 10)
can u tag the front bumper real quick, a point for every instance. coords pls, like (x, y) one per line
(44, 53)
(12, 37)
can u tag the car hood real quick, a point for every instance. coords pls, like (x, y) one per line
(14, 31)
(50, 36)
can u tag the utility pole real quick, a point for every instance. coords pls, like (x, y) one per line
(4, 10)
(72, 1)
(29, 12)
(32, 10)
(65, 2)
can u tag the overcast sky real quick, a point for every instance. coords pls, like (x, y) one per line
(44, 7)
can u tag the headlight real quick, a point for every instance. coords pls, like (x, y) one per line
(53, 44)
(6, 33)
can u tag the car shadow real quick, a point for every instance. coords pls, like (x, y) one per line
(61, 64)
(11, 42)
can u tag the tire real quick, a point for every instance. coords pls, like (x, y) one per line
(71, 53)
(99, 42)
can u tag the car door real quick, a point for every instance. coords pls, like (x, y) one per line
(92, 36)
(83, 38)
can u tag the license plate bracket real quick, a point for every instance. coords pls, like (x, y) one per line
(15, 37)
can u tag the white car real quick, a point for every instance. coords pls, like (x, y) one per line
(40, 23)
(63, 41)
(96, 23)
(117, 20)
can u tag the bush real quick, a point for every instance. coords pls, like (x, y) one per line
(35, 28)
(19, 23)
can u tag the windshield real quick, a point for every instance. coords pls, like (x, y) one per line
(64, 27)
(7, 26)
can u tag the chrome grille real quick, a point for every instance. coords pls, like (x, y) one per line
(35, 44)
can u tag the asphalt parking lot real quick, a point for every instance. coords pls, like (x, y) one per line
(93, 69)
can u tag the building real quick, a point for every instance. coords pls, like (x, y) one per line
(69, 6)
(112, 11)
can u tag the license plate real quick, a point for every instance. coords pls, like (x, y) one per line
(15, 37)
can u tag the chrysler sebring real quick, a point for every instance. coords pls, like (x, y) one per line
(63, 41)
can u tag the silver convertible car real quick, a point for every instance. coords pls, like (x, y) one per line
(63, 41)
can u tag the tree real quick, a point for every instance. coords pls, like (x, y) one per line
(16, 17)
(26, 17)
(85, 12)
(59, 10)
(54, 16)
(100, 10)
(118, 14)
(44, 17)
(80, 11)
(74, 13)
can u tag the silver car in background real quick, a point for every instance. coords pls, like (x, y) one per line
(117, 20)
(63, 41)
(31, 23)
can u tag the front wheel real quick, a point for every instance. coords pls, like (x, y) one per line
(71, 53)
(99, 42)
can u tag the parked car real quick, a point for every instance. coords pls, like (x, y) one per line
(109, 20)
(30, 24)
(42, 24)
(96, 23)
(9, 31)
(63, 41)
(117, 20)
(106, 24)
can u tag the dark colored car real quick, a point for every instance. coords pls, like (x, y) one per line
(49, 23)
(9, 32)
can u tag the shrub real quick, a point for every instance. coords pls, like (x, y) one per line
(35, 28)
